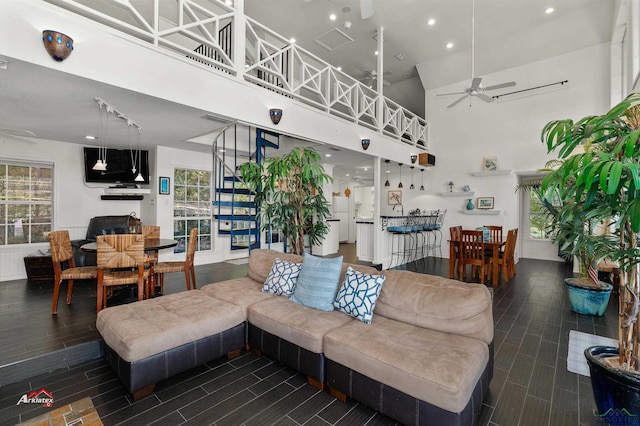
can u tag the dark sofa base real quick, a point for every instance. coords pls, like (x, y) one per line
(306, 362)
(143, 374)
(400, 406)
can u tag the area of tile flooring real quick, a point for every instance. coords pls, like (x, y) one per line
(531, 384)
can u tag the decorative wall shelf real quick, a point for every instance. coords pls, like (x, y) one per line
(493, 173)
(487, 212)
(458, 194)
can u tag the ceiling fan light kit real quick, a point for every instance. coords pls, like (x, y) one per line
(475, 88)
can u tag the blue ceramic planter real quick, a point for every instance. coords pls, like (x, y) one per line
(588, 300)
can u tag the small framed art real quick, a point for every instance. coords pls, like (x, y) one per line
(490, 163)
(165, 186)
(485, 202)
(394, 198)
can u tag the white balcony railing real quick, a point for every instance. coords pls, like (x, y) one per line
(200, 30)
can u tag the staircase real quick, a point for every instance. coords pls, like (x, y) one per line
(235, 208)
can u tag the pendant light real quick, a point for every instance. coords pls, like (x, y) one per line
(139, 177)
(422, 185)
(386, 183)
(400, 167)
(101, 162)
(412, 187)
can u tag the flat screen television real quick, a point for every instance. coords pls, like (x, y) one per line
(119, 166)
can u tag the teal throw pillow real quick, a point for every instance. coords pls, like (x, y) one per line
(358, 294)
(318, 282)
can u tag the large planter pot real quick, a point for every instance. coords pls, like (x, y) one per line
(616, 393)
(588, 300)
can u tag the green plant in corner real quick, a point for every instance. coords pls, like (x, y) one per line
(602, 184)
(288, 191)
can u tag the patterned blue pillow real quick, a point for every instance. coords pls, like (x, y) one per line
(358, 294)
(318, 282)
(282, 278)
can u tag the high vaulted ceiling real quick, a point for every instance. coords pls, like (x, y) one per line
(508, 33)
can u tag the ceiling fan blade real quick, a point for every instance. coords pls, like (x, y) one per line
(458, 101)
(501, 86)
(452, 93)
(485, 97)
(475, 83)
(366, 9)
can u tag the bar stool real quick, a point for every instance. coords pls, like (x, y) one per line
(437, 244)
(399, 235)
(429, 227)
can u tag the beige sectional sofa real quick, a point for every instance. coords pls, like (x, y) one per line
(426, 357)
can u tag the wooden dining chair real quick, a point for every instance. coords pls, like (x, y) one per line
(495, 232)
(64, 267)
(454, 236)
(120, 262)
(472, 253)
(162, 268)
(150, 232)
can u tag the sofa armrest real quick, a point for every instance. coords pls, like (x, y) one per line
(82, 258)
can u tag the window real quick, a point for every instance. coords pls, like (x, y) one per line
(26, 202)
(191, 208)
(538, 218)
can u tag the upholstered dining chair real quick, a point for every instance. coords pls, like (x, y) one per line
(472, 253)
(162, 268)
(64, 267)
(120, 262)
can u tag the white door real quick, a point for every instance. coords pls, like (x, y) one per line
(533, 241)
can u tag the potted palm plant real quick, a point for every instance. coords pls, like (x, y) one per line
(288, 191)
(604, 182)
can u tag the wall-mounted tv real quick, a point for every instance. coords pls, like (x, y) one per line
(119, 166)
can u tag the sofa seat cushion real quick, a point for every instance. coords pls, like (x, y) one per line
(243, 292)
(295, 323)
(437, 303)
(141, 329)
(439, 368)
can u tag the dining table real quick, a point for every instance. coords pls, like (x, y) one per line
(150, 245)
(489, 244)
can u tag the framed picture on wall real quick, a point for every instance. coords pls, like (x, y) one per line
(485, 202)
(490, 163)
(165, 186)
(394, 197)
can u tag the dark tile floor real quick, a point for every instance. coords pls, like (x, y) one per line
(531, 384)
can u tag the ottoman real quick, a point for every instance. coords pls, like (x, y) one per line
(154, 339)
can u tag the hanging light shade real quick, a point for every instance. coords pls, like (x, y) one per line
(422, 185)
(400, 184)
(412, 187)
(386, 183)
(137, 159)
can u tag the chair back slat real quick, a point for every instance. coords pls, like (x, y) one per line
(472, 245)
(120, 250)
(60, 244)
(495, 232)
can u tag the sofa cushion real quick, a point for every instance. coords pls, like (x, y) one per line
(243, 292)
(358, 294)
(318, 282)
(260, 262)
(439, 368)
(437, 303)
(295, 323)
(141, 329)
(282, 278)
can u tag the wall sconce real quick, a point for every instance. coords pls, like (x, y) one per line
(275, 114)
(414, 158)
(386, 183)
(365, 143)
(58, 45)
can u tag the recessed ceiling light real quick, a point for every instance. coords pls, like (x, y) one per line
(292, 40)
(229, 2)
(549, 10)
(449, 45)
(327, 155)
(339, 68)
(332, 16)
(91, 138)
(366, 168)
(347, 174)
(376, 52)
(431, 22)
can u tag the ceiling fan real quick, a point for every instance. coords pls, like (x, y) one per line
(476, 88)
(371, 77)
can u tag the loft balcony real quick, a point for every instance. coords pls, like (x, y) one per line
(223, 40)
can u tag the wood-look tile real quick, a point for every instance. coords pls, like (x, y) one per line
(521, 370)
(564, 408)
(542, 379)
(313, 405)
(530, 344)
(283, 407)
(535, 412)
(547, 353)
(165, 408)
(335, 411)
(509, 408)
(254, 407)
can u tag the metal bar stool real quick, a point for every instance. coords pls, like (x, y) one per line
(399, 235)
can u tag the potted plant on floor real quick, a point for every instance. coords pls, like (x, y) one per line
(288, 191)
(604, 182)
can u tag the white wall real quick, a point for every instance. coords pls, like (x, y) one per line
(509, 128)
